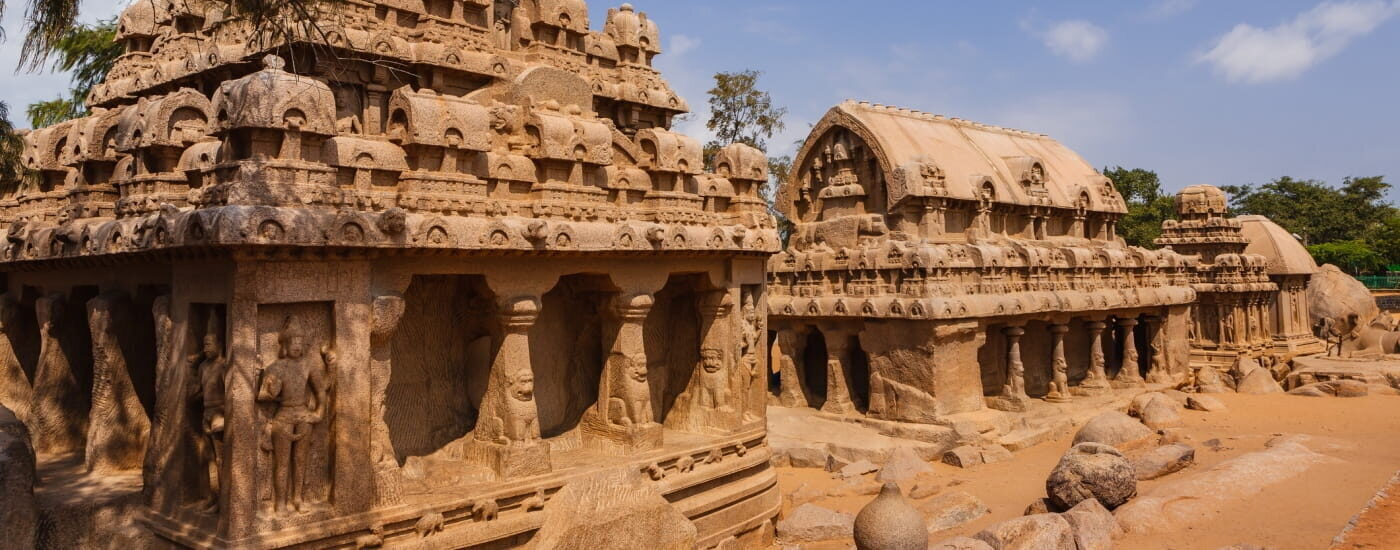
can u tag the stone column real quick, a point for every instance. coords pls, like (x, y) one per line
(386, 311)
(1096, 381)
(15, 392)
(59, 410)
(1013, 392)
(1059, 374)
(622, 421)
(507, 436)
(789, 346)
(118, 426)
(838, 372)
(709, 404)
(1157, 372)
(1130, 374)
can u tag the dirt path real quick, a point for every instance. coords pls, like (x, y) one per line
(1305, 513)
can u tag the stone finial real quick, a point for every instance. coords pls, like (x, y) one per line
(625, 7)
(890, 523)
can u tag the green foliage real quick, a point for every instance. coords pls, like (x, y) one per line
(89, 51)
(1355, 257)
(1351, 226)
(1147, 206)
(742, 113)
(11, 150)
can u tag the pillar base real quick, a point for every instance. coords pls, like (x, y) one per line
(615, 439)
(1159, 376)
(1088, 388)
(1009, 403)
(510, 460)
(839, 407)
(1058, 398)
(1125, 382)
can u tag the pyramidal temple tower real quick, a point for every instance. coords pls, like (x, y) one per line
(403, 271)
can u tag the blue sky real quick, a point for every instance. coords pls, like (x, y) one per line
(1220, 92)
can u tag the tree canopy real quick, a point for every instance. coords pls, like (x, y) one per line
(1147, 205)
(89, 51)
(740, 112)
(11, 148)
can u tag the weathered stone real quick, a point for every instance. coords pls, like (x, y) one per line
(1112, 428)
(1037, 532)
(1259, 382)
(1310, 390)
(1094, 527)
(924, 489)
(992, 454)
(1161, 412)
(960, 543)
(1332, 293)
(812, 523)
(19, 516)
(1333, 388)
(857, 469)
(965, 456)
(903, 465)
(890, 522)
(1091, 470)
(1178, 396)
(1163, 460)
(807, 457)
(952, 509)
(1209, 380)
(1187, 501)
(1040, 506)
(1205, 403)
(616, 508)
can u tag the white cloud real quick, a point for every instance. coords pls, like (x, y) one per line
(1162, 9)
(1076, 39)
(1253, 55)
(680, 44)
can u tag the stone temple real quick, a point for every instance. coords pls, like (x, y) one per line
(438, 275)
(424, 268)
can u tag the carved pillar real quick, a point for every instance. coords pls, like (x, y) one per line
(1096, 381)
(59, 410)
(622, 420)
(1059, 367)
(15, 392)
(709, 402)
(838, 372)
(118, 426)
(507, 436)
(387, 311)
(792, 391)
(1130, 374)
(1013, 391)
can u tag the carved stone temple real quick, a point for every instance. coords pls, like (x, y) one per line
(396, 282)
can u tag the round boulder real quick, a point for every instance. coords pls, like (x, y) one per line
(1112, 428)
(1332, 293)
(1091, 470)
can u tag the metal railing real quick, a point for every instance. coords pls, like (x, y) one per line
(1380, 282)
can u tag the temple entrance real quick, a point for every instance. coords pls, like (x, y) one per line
(441, 360)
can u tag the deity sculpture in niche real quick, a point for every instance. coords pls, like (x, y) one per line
(207, 394)
(714, 385)
(749, 343)
(296, 387)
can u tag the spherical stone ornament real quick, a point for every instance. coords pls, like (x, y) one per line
(890, 523)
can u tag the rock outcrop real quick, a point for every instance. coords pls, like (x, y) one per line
(1091, 470)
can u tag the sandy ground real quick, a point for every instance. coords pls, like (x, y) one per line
(1305, 513)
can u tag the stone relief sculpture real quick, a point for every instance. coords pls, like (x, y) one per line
(206, 395)
(629, 403)
(296, 388)
(714, 381)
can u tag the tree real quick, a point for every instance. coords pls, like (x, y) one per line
(11, 149)
(1354, 257)
(89, 51)
(742, 113)
(1147, 206)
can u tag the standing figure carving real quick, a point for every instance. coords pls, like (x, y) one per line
(206, 394)
(749, 344)
(296, 387)
(521, 420)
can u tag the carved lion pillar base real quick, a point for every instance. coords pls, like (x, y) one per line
(1129, 376)
(1096, 382)
(1013, 396)
(622, 421)
(507, 439)
(1059, 377)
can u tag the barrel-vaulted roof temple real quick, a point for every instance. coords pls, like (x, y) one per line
(438, 274)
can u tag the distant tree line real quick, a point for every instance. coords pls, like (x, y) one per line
(1351, 225)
